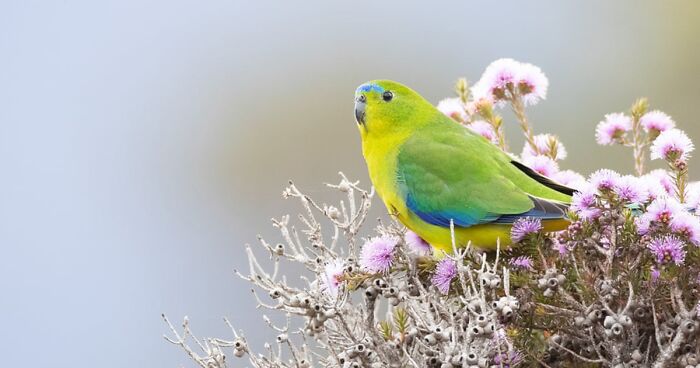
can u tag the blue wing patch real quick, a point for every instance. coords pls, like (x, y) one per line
(442, 218)
(544, 209)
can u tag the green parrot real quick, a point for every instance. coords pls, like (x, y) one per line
(431, 171)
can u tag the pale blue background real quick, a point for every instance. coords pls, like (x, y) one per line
(143, 142)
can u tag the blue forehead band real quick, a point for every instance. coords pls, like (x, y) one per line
(367, 87)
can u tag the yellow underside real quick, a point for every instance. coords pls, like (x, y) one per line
(484, 237)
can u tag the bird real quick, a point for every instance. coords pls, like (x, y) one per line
(433, 174)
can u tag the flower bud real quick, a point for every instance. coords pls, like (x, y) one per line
(595, 315)
(507, 312)
(430, 339)
(380, 283)
(390, 292)
(276, 293)
(344, 186)
(609, 321)
(371, 292)
(688, 326)
(617, 329)
(489, 329)
(333, 213)
(472, 359)
(637, 356)
(625, 320)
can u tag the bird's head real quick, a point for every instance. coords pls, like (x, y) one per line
(385, 107)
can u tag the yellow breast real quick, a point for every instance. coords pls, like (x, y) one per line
(381, 155)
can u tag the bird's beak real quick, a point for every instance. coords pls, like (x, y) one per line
(360, 104)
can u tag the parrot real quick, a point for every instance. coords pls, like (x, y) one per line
(434, 175)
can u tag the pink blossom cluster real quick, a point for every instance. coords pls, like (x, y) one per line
(454, 108)
(665, 215)
(613, 128)
(654, 199)
(668, 143)
(377, 254)
(672, 145)
(505, 79)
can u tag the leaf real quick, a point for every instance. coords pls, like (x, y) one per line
(401, 320)
(386, 330)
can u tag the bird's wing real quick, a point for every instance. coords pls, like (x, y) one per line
(457, 176)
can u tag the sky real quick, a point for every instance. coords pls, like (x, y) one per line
(143, 143)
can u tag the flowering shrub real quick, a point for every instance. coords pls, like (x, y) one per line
(617, 288)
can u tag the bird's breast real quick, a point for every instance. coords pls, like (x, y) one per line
(381, 156)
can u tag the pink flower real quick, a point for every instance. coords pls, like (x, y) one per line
(643, 224)
(672, 145)
(532, 84)
(542, 164)
(668, 249)
(499, 74)
(505, 75)
(377, 254)
(508, 359)
(416, 244)
(663, 209)
(687, 225)
(445, 271)
(484, 129)
(472, 107)
(659, 212)
(604, 179)
(561, 248)
(655, 274)
(543, 142)
(658, 183)
(656, 121)
(524, 227)
(629, 189)
(522, 262)
(453, 108)
(569, 178)
(330, 279)
(692, 195)
(612, 128)
(585, 204)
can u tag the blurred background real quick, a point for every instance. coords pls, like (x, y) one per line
(143, 143)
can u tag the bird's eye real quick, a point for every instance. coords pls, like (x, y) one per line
(387, 96)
